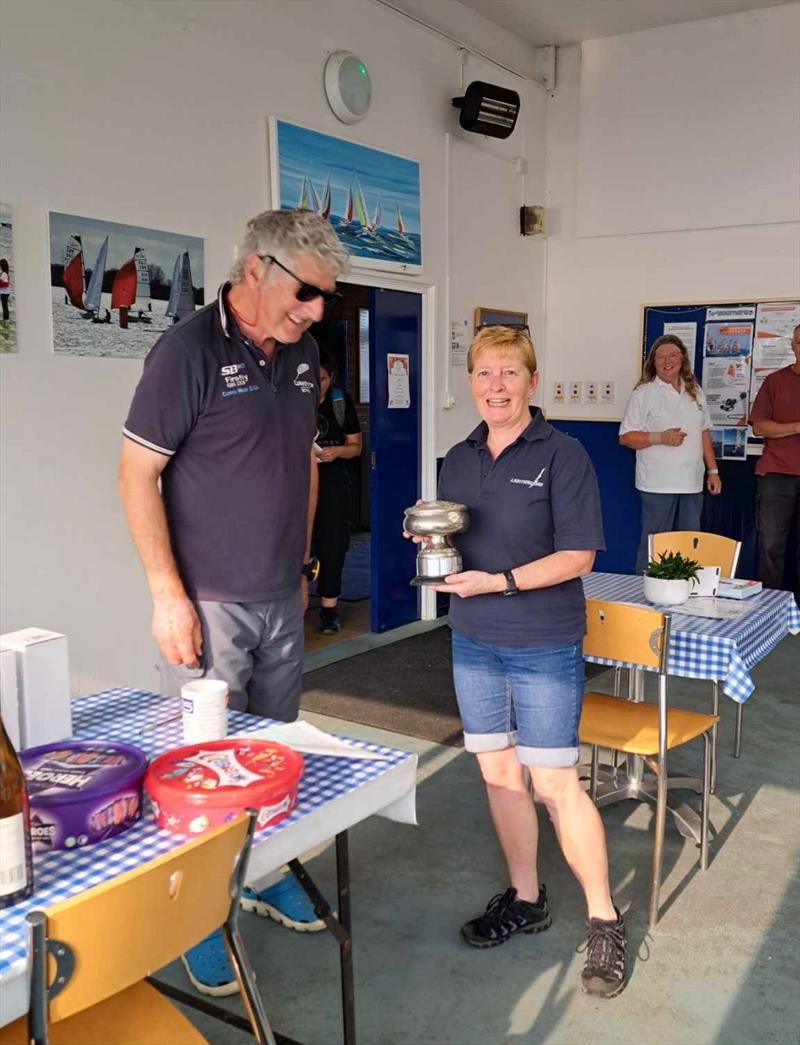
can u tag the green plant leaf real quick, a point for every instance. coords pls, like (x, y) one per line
(672, 566)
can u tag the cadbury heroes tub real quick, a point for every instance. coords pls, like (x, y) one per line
(200, 786)
(82, 791)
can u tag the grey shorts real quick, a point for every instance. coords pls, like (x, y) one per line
(257, 648)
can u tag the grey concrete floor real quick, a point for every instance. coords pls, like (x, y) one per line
(721, 966)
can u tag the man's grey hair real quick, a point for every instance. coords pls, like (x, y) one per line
(286, 234)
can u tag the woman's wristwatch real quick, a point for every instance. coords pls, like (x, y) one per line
(511, 584)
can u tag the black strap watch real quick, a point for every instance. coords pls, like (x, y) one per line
(511, 584)
(311, 568)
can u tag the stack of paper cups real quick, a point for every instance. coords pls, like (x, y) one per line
(205, 710)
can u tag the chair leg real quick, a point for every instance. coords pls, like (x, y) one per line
(737, 736)
(658, 842)
(247, 985)
(714, 711)
(593, 775)
(708, 748)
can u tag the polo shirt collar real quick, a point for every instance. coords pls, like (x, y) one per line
(536, 430)
(667, 385)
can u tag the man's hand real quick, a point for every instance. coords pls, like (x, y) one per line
(714, 484)
(472, 582)
(176, 629)
(329, 453)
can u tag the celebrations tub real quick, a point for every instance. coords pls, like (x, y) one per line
(82, 791)
(200, 786)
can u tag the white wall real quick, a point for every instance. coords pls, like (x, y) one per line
(673, 129)
(154, 114)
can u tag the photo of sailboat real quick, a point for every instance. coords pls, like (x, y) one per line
(357, 181)
(141, 283)
(8, 281)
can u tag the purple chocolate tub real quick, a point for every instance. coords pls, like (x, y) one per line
(82, 791)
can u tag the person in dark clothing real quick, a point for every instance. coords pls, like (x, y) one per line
(338, 440)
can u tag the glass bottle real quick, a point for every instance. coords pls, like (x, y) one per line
(16, 859)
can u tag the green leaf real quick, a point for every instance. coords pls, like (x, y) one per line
(672, 566)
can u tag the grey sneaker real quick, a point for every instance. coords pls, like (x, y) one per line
(505, 916)
(605, 972)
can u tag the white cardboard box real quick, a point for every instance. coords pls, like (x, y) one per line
(9, 701)
(42, 665)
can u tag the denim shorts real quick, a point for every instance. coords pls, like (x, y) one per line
(524, 696)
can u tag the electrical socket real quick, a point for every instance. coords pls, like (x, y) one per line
(558, 391)
(590, 391)
(575, 391)
(606, 391)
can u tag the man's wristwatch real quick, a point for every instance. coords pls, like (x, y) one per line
(311, 568)
(511, 584)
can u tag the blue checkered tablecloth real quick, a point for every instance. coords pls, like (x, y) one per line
(704, 648)
(139, 718)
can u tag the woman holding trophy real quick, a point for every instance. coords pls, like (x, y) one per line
(517, 615)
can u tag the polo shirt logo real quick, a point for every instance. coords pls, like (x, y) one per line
(236, 379)
(305, 386)
(530, 482)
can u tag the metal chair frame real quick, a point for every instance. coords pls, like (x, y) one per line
(638, 788)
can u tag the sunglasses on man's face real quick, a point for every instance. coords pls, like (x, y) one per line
(305, 291)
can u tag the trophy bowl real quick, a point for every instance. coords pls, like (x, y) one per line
(437, 521)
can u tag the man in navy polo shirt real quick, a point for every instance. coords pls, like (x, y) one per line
(518, 618)
(224, 419)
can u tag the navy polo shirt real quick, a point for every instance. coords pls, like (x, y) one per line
(237, 428)
(538, 497)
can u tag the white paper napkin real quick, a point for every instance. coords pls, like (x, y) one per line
(302, 736)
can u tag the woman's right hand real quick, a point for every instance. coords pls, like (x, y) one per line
(412, 537)
(673, 437)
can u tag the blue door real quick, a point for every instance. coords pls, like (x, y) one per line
(395, 329)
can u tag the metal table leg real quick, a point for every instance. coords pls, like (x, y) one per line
(737, 736)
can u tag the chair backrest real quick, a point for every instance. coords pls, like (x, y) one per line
(618, 631)
(127, 928)
(709, 549)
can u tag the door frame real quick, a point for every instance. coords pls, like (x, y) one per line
(427, 448)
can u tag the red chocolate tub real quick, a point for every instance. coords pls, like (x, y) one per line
(82, 791)
(200, 786)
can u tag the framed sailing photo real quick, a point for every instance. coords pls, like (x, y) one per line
(499, 317)
(370, 197)
(8, 317)
(116, 288)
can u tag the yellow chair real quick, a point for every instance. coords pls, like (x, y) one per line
(640, 637)
(101, 944)
(708, 549)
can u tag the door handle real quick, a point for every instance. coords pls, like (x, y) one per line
(373, 460)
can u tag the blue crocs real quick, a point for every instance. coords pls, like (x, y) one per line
(284, 902)
(208, 968)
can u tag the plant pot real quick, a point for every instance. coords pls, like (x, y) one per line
(666, 593)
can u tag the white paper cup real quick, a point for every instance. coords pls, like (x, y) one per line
(204, 705)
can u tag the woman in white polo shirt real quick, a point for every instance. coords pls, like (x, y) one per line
(667, 423)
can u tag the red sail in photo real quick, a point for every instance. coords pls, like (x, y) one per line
(123, 289)
(73, 276)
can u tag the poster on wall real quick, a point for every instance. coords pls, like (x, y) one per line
(397, 366)
(726, 372)
(730, 444)
(687, 332)
(370, 197)
(772, 348)
(8, 317)
(116, 288)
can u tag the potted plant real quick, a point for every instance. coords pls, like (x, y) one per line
(668, 579)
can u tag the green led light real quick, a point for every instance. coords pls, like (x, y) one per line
(363, 70)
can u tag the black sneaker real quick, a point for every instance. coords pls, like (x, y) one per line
(505, 916)
(329, 623)
(604, 974)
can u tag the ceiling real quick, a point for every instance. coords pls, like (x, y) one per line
(563, 22)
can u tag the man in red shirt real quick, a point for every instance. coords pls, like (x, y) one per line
(776, 417)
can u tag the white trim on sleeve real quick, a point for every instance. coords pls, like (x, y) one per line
(144, 442)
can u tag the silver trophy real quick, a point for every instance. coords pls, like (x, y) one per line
(437, 520)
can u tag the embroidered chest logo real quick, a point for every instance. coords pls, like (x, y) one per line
(305, 386)
(530, 482)
(237, 380)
